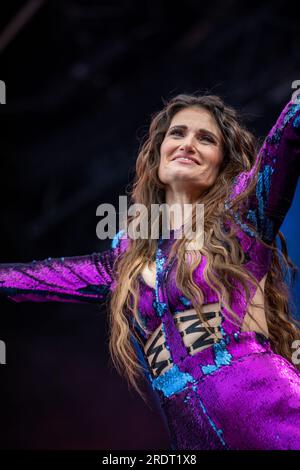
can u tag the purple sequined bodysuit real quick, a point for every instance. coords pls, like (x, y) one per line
(236, 393)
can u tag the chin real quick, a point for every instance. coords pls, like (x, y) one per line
(183, 176)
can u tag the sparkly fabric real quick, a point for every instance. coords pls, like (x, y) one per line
(252, 403)
(237, 393)
(80, 279)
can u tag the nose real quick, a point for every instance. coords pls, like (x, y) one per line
(187, 143)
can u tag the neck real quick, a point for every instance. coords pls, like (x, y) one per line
(183, 202)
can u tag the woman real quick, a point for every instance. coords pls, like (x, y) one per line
(210, 327)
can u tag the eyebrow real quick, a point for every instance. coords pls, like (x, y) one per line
(201, 130)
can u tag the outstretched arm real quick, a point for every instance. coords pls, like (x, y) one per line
(77, 279)
(279, 164)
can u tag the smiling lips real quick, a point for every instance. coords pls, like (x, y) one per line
(185, 159)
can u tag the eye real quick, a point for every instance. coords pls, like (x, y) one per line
(175, 131)
(207, 137)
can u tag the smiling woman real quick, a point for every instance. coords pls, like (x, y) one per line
(209, 329)
(215, 332)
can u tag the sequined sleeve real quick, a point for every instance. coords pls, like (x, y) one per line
(87, 278)
(278, 162)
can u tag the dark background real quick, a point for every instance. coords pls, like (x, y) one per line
(83, 78)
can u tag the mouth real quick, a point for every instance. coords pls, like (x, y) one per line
(185, 159)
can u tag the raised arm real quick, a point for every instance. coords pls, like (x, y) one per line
(279, 163)
(77, 279)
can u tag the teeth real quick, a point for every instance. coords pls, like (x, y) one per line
(184, 158)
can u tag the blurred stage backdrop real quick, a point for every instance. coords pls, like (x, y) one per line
(82, 80)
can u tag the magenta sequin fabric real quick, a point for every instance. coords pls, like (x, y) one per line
(252, 403)
(236, 394)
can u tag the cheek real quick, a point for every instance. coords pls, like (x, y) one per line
(217, 162)
(161, 170)
(168, 146)
(163, 155)
(163, 148)
(213, 168)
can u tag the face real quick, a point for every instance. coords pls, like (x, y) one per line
(191, 152)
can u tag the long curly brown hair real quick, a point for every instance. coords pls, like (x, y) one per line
(239, 149)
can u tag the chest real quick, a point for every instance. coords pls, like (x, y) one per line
(195, 335)
(148, 274)
(254, 318)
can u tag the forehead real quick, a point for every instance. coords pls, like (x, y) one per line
(195, 119)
